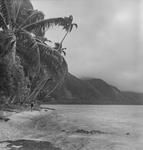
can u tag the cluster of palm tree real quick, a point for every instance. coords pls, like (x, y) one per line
(31, 64)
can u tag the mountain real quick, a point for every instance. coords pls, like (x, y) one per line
(91, 91)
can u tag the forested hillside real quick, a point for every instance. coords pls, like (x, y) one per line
(91, 91)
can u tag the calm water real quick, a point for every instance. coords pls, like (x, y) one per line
(123, 123)
(123, 113)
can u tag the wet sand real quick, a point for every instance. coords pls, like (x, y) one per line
(67, 130)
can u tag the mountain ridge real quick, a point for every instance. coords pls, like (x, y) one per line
(91, 91)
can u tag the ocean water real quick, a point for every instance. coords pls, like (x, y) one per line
(120, 126)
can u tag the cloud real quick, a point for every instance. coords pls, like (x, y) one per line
(108, 42)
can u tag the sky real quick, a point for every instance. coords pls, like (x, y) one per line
(108, 42)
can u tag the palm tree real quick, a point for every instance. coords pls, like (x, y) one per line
(69, 27)
(22, 35)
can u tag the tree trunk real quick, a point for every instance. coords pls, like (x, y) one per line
(38, 88)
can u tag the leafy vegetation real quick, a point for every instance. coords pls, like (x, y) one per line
(28, 65)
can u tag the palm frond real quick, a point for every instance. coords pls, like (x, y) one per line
(51, 58)
(73, 25)
(28, 49)
(47, 23)
(52, 74)
(7, 42)
(22, 10)
(63, 51)
(10, 12)
(3, 23)
(6, 9)
(54, 65)
(34, 17)
(16, 7)
(69, 26)
(3, 10)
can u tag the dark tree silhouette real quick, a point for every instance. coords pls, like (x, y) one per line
(31, 63)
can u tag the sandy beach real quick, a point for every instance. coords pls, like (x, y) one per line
(56, 130)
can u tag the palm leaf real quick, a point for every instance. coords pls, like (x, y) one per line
(3, 23)
(28, 50)
(7, 11)
(10, 12)
(3, 10)
(52, 73)
(7, 41)
(22, 10)
(16, 8)
(47, 23)
(54, 65)
(72, 25)
(34, 17)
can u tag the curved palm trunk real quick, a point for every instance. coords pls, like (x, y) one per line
(43, 82)
(64, 37)
(37, 89)
(13, 53)
(61, 80)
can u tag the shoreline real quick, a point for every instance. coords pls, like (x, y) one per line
(67, 129)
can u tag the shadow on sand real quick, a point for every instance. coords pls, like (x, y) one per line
(29, 145)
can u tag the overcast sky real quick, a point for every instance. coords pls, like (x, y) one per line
(108, 42)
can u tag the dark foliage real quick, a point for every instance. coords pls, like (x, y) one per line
(28, 65)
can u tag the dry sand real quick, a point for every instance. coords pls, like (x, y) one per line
(38, 130)
(49, 130)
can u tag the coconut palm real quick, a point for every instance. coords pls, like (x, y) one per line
(69, 27)
(22, 34)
